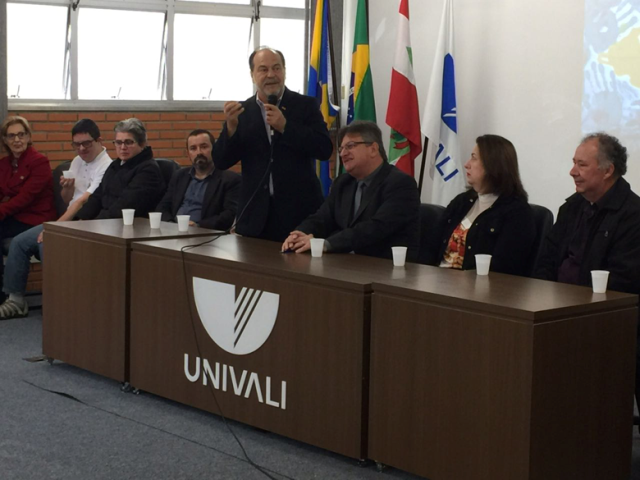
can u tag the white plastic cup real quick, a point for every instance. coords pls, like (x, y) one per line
(317, 247)
(399, 256)
(183, 223)
(154, 219)
(599, 279)
(68, 174)
(482, 264)
(127, 215)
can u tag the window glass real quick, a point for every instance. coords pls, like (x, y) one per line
(119, 54)
(234, 2)
(202, 69)
(284, 3)
(35, 67)
(279, 34)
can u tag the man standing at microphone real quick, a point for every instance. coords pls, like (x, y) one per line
(277, 135)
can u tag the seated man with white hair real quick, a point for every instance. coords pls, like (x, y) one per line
(133, 180)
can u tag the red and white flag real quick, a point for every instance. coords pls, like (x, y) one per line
(402, 112)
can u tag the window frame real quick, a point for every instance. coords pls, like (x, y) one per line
(170, 8)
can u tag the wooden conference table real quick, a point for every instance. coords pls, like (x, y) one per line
(444, 374)
(307, 381)
(86, 290)
(501, 378)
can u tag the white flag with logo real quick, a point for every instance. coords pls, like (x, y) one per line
(439, 122)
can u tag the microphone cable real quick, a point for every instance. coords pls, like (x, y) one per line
(272, 100)
(255, 465)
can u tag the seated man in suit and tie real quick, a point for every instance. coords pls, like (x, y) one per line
(371, 208)
(207, 194)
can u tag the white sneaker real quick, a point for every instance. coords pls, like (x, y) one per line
(10, 309)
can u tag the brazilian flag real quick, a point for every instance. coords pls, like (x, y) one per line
(362, 105)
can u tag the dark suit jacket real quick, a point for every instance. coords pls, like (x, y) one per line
(220, 198)
(613, 242)
(506, 231)
(297, 192)
(388, 215)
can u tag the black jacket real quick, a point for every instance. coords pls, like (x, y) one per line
(220, 198)
(388, 215)
(137, 184)
(506, 231)
(613, 243)
(297, 192)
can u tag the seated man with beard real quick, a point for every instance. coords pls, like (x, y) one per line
(208, 195)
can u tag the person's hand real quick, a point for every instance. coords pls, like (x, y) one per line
(297, 241)
(40, 237)
(192, 223)
(232, 110)
(275, 118)
(67, 182)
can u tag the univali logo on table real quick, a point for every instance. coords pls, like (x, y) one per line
(239, 324)
(243, 383)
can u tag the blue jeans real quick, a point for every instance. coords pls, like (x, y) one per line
(16, 269)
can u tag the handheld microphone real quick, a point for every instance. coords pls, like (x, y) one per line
(272, 100)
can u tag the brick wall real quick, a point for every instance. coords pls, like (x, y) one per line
(166, 131)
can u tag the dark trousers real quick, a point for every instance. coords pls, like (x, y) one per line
(275, 228)
(638, 369)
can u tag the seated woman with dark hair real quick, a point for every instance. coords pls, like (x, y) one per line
(493, 216)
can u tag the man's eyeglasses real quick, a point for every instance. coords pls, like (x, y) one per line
(350, 146)
(128, 142)
(86, 144)
(13, 136)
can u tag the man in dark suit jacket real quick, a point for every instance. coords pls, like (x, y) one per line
(598, 228)
(277, 135)
(208, 195)
(371, 208)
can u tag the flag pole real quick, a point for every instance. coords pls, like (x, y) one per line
(333, 65)
(423, 164)
(334, 100)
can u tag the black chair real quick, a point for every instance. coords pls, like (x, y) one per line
(430, 232)
(167, 168)
(61, 207)
(544, 221)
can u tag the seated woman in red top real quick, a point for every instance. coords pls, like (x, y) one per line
(26, 185)
(493, 216)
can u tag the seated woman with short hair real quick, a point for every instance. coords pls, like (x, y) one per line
(493, 216)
